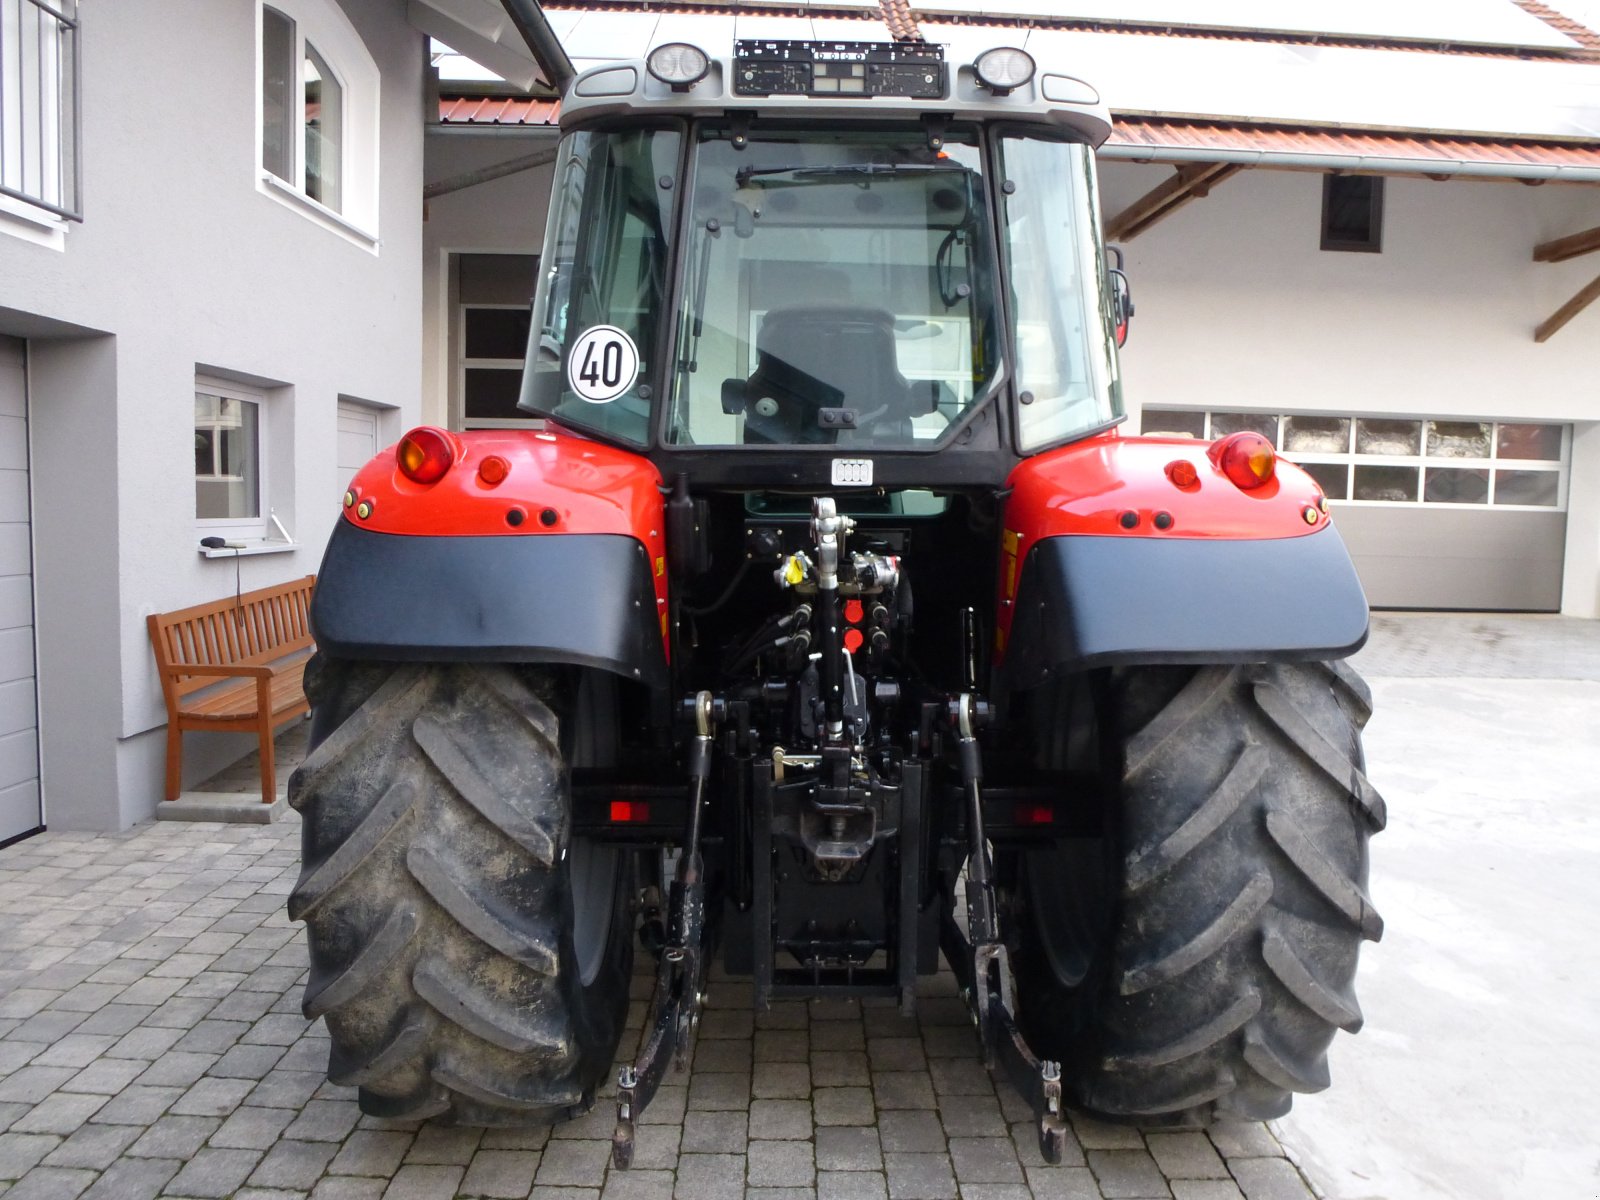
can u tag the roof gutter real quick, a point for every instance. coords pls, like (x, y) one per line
(1356, 163)
(547, 50)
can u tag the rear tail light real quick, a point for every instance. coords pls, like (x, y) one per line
(1247, 458)
(425, 454)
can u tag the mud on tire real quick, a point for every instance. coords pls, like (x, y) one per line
(1216, 964)
(438, 899)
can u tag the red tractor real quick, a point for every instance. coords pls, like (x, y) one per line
(830, 624)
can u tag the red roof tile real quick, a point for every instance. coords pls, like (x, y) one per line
(497, 110)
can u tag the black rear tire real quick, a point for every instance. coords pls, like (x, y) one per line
(470, 960)
(1198, 961)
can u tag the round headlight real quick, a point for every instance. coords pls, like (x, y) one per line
(678, 64)
(1004, 68)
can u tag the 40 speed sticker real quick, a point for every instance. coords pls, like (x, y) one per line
(603, 364)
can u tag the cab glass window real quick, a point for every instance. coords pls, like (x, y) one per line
(597, 313)
(1066, 364)
(838, 290)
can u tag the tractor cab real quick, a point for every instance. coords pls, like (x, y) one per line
(827, 251)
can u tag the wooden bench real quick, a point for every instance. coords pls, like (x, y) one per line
(234, 665)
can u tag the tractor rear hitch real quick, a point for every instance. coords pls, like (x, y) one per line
(676, 1001)
(979, 958)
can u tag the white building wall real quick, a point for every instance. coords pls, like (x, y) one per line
(1238, 308)
(181, 262)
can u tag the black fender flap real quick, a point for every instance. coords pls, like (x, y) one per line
(578, 598)
(1110, 601)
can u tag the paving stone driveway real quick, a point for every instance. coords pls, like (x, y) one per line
(151, 1043)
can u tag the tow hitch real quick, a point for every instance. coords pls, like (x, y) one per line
(978, 957)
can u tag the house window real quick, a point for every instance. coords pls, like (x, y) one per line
(319, 106)
(1352, 213)
(1403, 460)
(229, 463)
(39, 107)
(300, 95)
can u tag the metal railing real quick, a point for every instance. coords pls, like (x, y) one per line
(41, 114)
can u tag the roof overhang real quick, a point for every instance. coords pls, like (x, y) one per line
(1178, 141)
(483, 31)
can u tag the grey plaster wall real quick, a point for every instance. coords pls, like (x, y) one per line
(181, 262)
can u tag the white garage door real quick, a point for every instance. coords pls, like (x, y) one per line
(358, 438)
(19, 733)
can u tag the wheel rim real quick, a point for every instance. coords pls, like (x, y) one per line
(592, 872)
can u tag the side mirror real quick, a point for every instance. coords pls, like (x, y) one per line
(1121, 297)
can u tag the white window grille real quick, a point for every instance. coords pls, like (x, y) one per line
(40, 125)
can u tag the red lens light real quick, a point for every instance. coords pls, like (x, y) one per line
(1033, 813)
(1246, 458)
(493, 470)
(425, 454)
(1182, 473)
(624, 812)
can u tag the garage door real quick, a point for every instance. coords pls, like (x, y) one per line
(358, 438)
(20, 811)
(1438, 512)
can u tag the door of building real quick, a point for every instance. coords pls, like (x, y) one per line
(20, 809)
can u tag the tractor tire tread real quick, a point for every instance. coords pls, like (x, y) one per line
(436, 904)
(1245, 816)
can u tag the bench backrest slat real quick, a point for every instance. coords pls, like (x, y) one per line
(252, 629)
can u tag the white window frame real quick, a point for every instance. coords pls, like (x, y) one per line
(324, 24)
(245, 529)
(1350, 459)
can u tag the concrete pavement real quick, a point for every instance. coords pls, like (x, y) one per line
(1475, 1074)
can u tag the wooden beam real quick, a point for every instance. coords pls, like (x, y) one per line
(1567, 311)
(1571, 246)
(1191, 180)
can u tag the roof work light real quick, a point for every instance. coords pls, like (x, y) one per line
(678, 65)
(1003, 69)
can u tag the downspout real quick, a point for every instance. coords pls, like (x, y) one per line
(535, 29)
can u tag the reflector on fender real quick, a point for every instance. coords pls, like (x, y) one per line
(1033, 812)
(425, 454)
(1246, 458)
(625, 812)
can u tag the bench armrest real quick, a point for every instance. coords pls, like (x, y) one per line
(222, 672)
